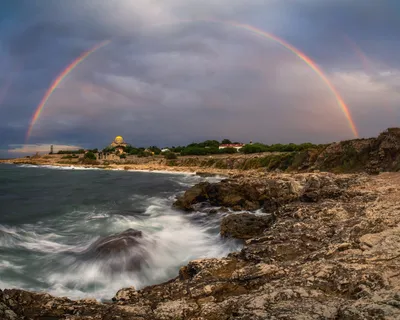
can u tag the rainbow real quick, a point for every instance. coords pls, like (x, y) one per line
(313, 65)
(308, 61)
(238, 25)
(366, 62)
(58, 80)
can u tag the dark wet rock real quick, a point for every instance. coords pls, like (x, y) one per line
(206, 174)
(245, 225)
(119, 252)
(334, 258)
(239, 195)
(192, 196)
(268, 194)
(115, 244)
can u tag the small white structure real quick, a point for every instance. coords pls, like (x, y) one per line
(237, 146)
(165, 150)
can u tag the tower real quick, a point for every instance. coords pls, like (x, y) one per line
(51, 149)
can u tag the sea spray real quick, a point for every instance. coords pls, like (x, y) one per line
(44, 244)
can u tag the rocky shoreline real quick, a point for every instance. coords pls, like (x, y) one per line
(131, 167)
(317, 246)
(373, 155)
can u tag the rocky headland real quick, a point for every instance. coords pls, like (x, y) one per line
(372, 155)
(316, 246)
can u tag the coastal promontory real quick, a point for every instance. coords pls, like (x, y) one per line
(316, 244)
(322, 246)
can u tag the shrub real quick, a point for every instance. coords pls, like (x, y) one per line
(80, 151)
(172, 163)
(155, 149)
(254, 148)
(228, 150)
(89, 161)
(170, 155)
(199, 151)
(122, 156)
(90, 155)
(143, 154)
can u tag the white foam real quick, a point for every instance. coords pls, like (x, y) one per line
(4, 264)
(72, 167)
(171, 239)
(186, 173)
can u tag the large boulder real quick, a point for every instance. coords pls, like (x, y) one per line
(119, 252)
(311, 191)
(5, 312)
(245, 225)
(245, 194)
(319, 187)
(195, 194)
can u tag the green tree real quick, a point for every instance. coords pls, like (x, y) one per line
(90, 155)
(176, 149)
(254, 148)
(143, 153)
(228, 150)
(134, 151)
(155, 149)
(226, 141)
(108, 149)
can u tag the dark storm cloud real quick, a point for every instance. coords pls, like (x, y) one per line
(372, 25)
(171, 76)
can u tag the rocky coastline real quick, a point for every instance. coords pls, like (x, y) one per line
(372, 155)
(316, 246)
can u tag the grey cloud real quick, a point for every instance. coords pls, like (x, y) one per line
(169, 78)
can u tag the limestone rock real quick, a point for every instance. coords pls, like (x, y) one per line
(334, 256)
(245, 225)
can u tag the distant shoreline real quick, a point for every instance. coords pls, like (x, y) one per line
(129, 168)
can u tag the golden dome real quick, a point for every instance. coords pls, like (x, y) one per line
(119, 140)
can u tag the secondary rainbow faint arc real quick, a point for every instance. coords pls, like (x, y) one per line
(58, 80)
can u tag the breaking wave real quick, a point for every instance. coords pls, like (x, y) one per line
(60, 254)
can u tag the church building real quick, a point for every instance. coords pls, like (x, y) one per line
(118, 142)
(118, 145)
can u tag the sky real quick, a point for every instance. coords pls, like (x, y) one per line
(180, 71)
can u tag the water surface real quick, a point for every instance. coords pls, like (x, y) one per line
(50, 216)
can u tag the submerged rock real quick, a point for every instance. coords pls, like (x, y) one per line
(120, 252)
(334, 258)
(115, 244)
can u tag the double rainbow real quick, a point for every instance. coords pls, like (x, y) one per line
(313, 65)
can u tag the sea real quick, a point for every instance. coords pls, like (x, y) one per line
(53, 220)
